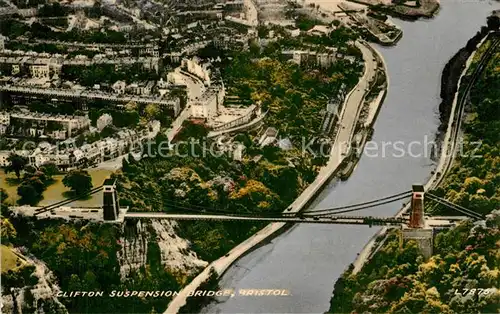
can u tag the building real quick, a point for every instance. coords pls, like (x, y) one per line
(207, 105)
(103, 121)
(119, 87)
(322, 59)
(2, 43)
(320, 30)
(70, 156)
(195, 67)
(4, 156)
(294, 32)
(39, 124)
(41, 71)
(269, 137)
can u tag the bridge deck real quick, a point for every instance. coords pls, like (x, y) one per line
(351, 220)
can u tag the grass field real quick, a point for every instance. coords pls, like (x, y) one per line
(9, 259)
(54, 192)
(8, 187)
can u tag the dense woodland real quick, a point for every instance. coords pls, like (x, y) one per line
(398, 279)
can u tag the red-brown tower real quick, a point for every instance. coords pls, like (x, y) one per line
(417, 207)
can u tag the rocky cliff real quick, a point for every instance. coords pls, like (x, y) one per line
(36, 293)
(175, 253)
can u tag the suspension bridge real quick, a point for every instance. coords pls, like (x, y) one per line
(111, 211)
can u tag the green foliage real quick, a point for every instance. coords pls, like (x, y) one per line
(49, 169)
(21, 277)
(474, 179)
(78, 181)
(16, 164)
(191, 130)
(294, 96)
(304, 23)
(202, 183)
(399, 280)
(33, 184)
(49, 10)
(465, 257)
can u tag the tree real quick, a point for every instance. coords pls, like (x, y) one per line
(152, 111)
(493, 22)
(131, 106)
(28, 193)
(50, 169)
(78, 181)
(7, 230)
(17, 164)
(3, 195)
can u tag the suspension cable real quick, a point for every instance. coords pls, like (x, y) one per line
(455, 207)
(67, 201)
(355, 209)
(406, 194)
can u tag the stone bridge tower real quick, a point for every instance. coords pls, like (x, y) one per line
(416, 229)
(110, 205)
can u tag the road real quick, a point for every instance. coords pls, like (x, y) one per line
(351, 220)
(194, 89)
(348, 118)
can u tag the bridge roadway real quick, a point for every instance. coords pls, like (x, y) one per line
(350, 220)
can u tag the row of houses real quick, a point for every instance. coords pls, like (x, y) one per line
(67, 155)
(40, 125)
(45, 67)
(322, 59)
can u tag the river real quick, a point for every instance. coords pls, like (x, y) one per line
(309, 258)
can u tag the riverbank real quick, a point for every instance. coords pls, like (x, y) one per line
(425, 9)
(357, 292)
(454, 72)
(349, 114)
(365, 127)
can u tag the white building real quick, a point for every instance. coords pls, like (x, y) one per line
(4, 118)
(268, 137)
(4, 155)
(119, 87)
(207, 105)
(41, 71)
(293, 32)
(93, 153)
(103, 121)
(194, 67)
(320, 30)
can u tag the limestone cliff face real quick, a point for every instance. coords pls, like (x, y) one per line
(37, 298)
(175, 253)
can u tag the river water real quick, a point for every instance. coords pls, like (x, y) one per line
(309, 258)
